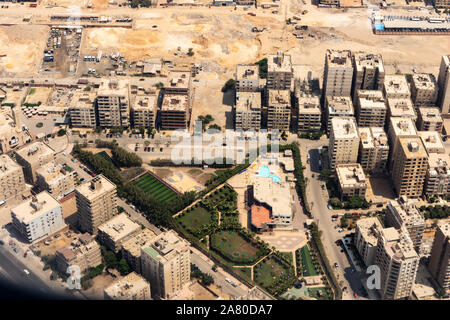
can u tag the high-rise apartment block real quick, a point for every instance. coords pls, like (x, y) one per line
(144, 110)
(368, 71)
(344, 141)
(437, 180)
(96, 203)
(176, 104)
(410, 163)
(370, 108)
(248, 110)
(279, 71)
(307, 104)
(351, 180)
(373, 149)
(82, 109)
(424, 89)
(56, 180)
(399, 127)
(429, 119)
(338, 106)
(117, 230)
(398, 262)
(366, 238)
(38, 217)
(166, 263)
(130, 287)
(396, 86)
(403, 213)
(279, 109)
(338, 73)
(439, 265)
(247, 78)
(432, 141)
(113, 103)
(131, 248)
(12, 181)
(444, 86)
(400, 107)
(33, 157)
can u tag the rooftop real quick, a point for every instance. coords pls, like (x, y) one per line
(279, 97)
(34, 207)
(98, 186)
(396, 84)
(7, 165)
(371, 99)
(403, 126)
(399, 246)
(373, 137)
(179, 80)
(279, 62)
(113, 87)
(35, 151)
(344, 127)
(425, 81)
(369, 229)
(145, 102)
(175, 102)
(248, 101)
(308, 103)
(432, 141)
(339, 58)
(260, 215)
(125, 288)
(406, 211)
(401, 107)
(438, 164)
(166, 246)
(351, 175)
(119, 227)
(365, 60)
(444, 226)
(337, 104)
(83, 99)
(275, 194)
(413, 147)
(135, 243)
(430, 114)
(247, 72)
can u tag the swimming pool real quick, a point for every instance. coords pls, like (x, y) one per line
(265, 172)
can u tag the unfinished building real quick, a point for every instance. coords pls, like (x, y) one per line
(248, 111)
(112, 104)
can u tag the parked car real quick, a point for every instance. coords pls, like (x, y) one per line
(26, 272)
(340, 230)
(228, 280)
(334, 216)
(355, 214)
(16, 250)
(336, 265)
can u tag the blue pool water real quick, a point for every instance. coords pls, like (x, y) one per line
(265, 172)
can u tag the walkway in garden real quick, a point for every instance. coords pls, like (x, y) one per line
(253, 265)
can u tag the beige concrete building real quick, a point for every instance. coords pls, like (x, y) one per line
(175, 111)
(432, 141)
(437, 180)
(338, 106)
(398, 262)
(38, 217)
(117, 230)
(373, 149)
(444, 86)
(248, 110)
(11, 134)
(370, 108)
(396, 86)
(247, 78)
(443, 4)
(351, 180)
(12, 181)
(178, 82)
(83, 252)
(279, 71)
(424, 89)
(130, 287)
(403, 213)
(113, 103)
(166, 263)
(409, 169)
(96, 203)
(366, 238)
(401, 107)
(344, 141)
(368, 71)
(399, 127)
(82, 109)
(144, 110)
(338, 73)
(33, 157)
(56, 180)
(429, 119)
(131, 248)
(439, 265)
(307, 104)
(279, 110)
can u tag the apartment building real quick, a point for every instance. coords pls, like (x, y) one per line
(429, 119)
(403, 213)
(437, 180)
(398, 262)
(439, 264)
(248, 110)
(166, 263)
(113, 103)
(338, 106)
(410, 163)
(399, 127)
(178, 82)
(117, 230)
(11, 134)
(131, 248)
(373, 149)
(33, 157)
(82, 109)
(309, 113)
(351, 180)
(424, 89)
(370, 108)
(338, 73)
(96, 203)
(144, 110)
(38, 217)
(279, 110)
(401, 107)
(279, 71)
(432, 141)
(444, 85)
(344, 141)
(368, 71)
(396, 86)
(12, 181)
(83, 252)
(366, 237)
(247, 78)
(130, 287)
(175, 111)
(55, 179)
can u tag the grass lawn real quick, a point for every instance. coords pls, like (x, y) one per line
(307, 264)
(245, 272)
(268, 271)
(314, 293)
(155, 188)
(233, 246)
(195, 218)
(105, 156)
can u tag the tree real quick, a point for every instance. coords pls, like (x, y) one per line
(190, 52)
(110, 259)
(229, 85)
(215, 126)
(441, 292)
(262, 68)
(61, 132)
(325, 174)
(207, 279)
(124, 268)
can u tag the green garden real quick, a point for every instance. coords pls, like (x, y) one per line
(158, 190)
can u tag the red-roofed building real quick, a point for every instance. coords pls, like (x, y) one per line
(261, 219)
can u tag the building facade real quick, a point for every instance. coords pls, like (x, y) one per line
(338, 73)
(351, 181)
(56, 180)
(279, 71)
(82, 110)
(33, 157)
(439, 265)
(344, 141)
(131, 248)
(12, 181)
(370, 108)
(247, 78)
(279, 110)
(429, 119)
(144, 110)
(117, 230)
(113, 104)
(444, 86)
(368, 71)
(373, 149)
(248, 110)
(424, 89)
(366, 238)
(338, 106)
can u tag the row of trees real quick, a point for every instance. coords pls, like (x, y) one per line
(120, 155)
(435, 212)
(351, 203)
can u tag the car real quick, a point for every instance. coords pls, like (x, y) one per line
(130, 136)
(340, 230)
(16, 250)
(160, 149)
(82, 179)
(25, 255)
(93, 174)
(26, 272)
(214, 268)
(336, 265)
(355, 214)
(234, 284)
(330, 207)
(323, 187)
(334, 216)
(228, 280)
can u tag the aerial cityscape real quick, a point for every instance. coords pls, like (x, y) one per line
(228, 150)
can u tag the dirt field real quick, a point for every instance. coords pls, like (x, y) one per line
(40, 94)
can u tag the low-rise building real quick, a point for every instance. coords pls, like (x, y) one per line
(373, 149)
(56, 180)
(424, 89)
(370, 108)
(130, 287)
(338, 106)
(33, 157)
(248, 110)
(429, 119)
(279, 110)
(396, 86)
(366, 238)
(38, 217)
(351, 180)
(131, 248)
(247, 78)
(12, 181)
(117, 230)
(143, 111)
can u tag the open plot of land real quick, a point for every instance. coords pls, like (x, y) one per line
(184, 182)
(38, 94)
(155, 188)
